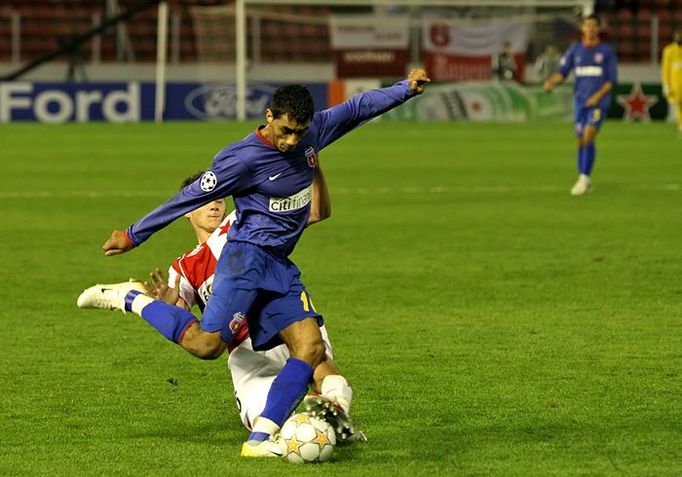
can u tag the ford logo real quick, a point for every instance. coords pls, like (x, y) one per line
(219, 101)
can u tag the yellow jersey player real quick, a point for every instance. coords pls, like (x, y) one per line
(671, 65)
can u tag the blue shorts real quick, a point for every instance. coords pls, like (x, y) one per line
(589, 116)
(253, 285)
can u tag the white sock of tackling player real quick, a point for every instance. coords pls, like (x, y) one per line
(336, 387)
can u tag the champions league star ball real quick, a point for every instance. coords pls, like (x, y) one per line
(305, 438)
(208, 181)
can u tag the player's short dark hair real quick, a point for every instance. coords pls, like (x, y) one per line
(294, 100)
(592, 17)
(191, 179)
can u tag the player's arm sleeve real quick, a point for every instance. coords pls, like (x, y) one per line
(612, 69)
(567, 61)
(334, 122)
(186, 291)
(228, 175)
(320, 203)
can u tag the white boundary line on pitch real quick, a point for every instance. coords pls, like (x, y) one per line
(482, 189)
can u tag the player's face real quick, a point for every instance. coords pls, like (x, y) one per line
(208, 217)
(285, 133)
(590, 29)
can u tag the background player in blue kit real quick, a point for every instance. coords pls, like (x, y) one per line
(595, 66)
(269, 175)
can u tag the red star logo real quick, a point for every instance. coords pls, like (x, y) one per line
(225, 228)
(636, 104)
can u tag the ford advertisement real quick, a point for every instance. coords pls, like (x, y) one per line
(134, 101)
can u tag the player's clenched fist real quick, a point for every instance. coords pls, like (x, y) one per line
(418, 80)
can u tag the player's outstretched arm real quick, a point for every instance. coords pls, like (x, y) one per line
(335, 122)
(418, 79)
(227, 175)
(552, 81)
(118, 243)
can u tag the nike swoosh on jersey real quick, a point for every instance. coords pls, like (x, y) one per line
(272, 178)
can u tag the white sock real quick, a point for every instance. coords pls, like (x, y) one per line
(336, 387)
(139, 302)
(263, 424)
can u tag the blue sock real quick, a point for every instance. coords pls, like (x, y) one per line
(171, 321)
(259, 436)
(581, 159)
(286, 392)
(589, 152)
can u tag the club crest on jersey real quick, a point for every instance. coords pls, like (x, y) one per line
(311, 156)
(598, 58)
(208, 181)
(237, 320)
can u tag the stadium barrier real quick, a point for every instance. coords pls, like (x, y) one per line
(134, 101)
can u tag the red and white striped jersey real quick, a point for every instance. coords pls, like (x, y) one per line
(196, 267)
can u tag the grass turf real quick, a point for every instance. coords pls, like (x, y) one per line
(491, 324)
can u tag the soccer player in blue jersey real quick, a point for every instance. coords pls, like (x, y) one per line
(269, 175)
(595, 65)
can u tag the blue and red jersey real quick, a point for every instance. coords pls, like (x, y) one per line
(593, 66)
(271, 190)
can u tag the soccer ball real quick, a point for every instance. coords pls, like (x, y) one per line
(305, 438)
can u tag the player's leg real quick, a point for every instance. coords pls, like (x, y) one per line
(329, 381)
(235, 284)
(586, 131)
(333, 397)
(678, 113)
(235, 289)
(589, 149)
(333, 402)
(252, 375)
(306, 349)
(290, 319)
(202, 344)
(580, 186)
(585, 163)
(171, 321)
(174, 323)
(244, 363)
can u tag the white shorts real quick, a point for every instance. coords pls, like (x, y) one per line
(253, 373)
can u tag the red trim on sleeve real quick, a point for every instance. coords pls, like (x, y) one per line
(182, 334)
(130, 241)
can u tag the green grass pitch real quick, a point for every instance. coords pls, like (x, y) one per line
(490, 323)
